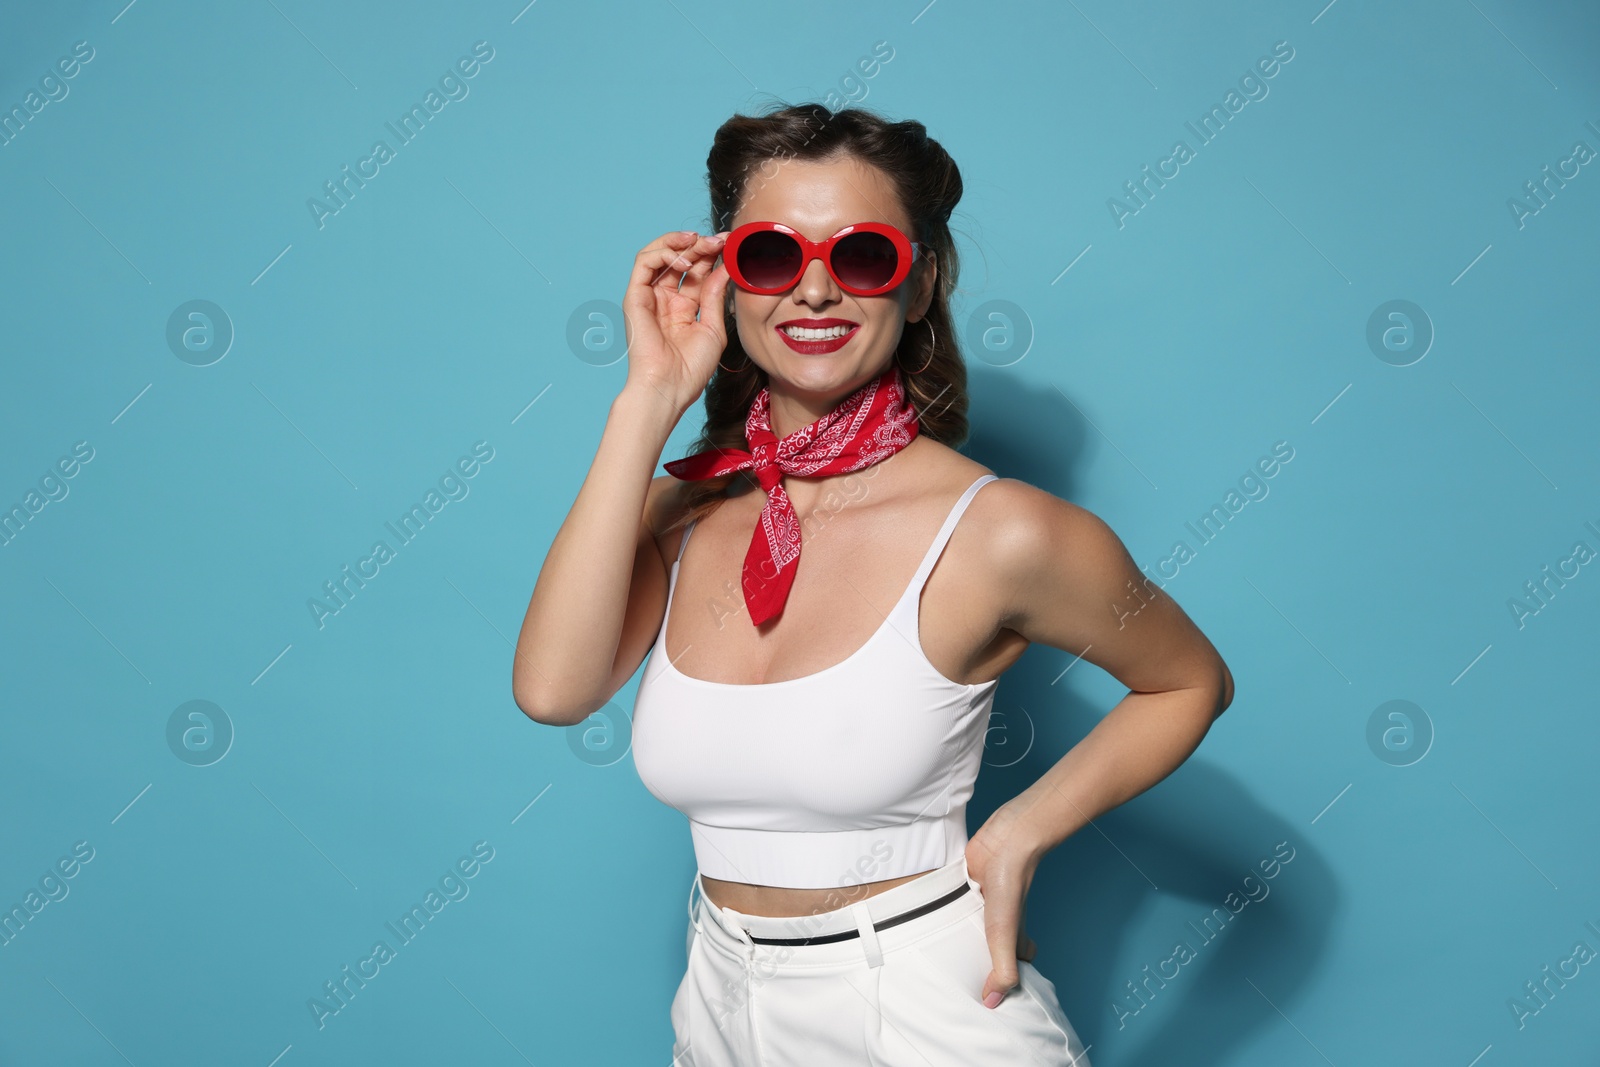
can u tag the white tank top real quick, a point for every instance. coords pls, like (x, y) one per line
(856, 773)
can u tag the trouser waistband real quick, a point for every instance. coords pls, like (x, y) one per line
(902, 903)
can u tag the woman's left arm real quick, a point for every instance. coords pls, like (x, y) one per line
(1066, 580)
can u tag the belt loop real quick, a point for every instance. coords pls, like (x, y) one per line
(869, 936)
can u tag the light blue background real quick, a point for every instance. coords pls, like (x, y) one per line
(432, 312)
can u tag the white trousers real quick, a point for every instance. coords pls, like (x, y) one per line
(903, 996)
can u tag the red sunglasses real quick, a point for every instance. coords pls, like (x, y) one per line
(866, 259)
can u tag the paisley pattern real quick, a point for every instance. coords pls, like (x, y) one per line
(869, 425)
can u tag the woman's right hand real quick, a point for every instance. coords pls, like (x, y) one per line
(669, 349)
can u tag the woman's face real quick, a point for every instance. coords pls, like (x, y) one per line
(820, 199)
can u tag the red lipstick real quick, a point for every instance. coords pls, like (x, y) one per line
(817, 348)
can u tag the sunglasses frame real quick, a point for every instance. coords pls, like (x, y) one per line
(908, 254)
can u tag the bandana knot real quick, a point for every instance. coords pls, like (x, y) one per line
(764, 459)
(868, 426)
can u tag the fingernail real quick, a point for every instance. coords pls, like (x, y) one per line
(993, 999)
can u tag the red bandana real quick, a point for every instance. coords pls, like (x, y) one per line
(871, 424)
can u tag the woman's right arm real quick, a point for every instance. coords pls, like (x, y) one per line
(601, 592)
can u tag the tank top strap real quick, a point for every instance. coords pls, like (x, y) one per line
(683, 544)
(672, 584)
(943, 536)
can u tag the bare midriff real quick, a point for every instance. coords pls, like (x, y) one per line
(779, 902)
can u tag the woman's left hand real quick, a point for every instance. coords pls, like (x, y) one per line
(1002, 859)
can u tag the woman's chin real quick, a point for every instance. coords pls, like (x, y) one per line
(798, 375)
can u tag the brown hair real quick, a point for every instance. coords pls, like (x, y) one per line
(929, 187)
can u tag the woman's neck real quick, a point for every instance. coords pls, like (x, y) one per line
(791, 411)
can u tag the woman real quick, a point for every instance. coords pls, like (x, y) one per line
(828, 644)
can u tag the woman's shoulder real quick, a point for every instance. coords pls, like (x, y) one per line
(663, 499)
(1014, 538)
(1010, 522)
(666, 509)
(945, 471)
(663, 504)
(1027, 537)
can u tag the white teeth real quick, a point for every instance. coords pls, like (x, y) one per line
(802, 333)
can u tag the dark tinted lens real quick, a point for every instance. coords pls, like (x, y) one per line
(769, 259)
(865, 260)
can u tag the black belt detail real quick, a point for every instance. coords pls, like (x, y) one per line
(845, 935)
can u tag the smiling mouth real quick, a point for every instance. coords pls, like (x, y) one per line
(817, 340)
(812, 333)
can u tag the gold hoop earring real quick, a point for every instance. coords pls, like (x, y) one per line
(932, 343)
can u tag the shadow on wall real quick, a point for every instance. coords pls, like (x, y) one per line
(1256, 899)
